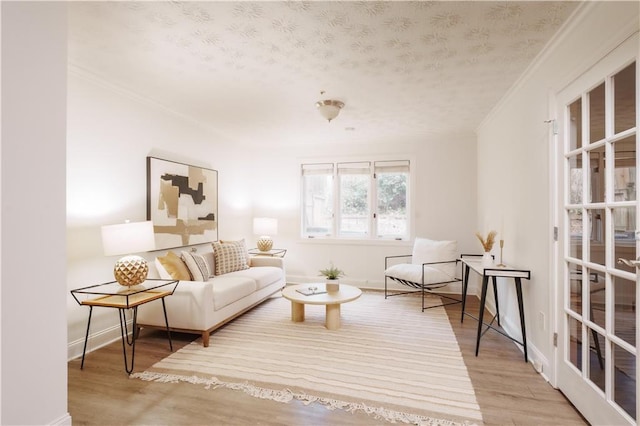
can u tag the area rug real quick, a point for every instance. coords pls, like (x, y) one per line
(389, 359)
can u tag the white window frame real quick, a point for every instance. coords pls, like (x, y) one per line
(374, 165)
(352, 168)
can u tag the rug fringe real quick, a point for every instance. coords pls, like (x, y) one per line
(287, 395)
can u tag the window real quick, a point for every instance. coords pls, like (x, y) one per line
(364, 199)
(392, 183)
(317, 199)
(354, 187)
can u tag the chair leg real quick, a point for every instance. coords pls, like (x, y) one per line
(422, 289)
(385, 286)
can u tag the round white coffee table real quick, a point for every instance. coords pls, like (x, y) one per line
(332, 300)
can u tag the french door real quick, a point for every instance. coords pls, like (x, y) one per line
(597, 356)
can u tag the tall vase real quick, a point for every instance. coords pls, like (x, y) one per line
(487, 260)
(333, 285)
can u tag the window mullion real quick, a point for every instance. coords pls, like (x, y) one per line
(336, 203)
(373, 205)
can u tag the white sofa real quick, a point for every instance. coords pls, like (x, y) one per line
(202, 306)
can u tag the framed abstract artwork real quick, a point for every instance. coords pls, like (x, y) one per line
(182, 202)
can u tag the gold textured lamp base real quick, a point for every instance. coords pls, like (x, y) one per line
(264, 243)
(131, 270)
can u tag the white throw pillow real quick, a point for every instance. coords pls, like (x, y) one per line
(197, 265)
(427, 251)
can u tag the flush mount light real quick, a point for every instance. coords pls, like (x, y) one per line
(329, 108)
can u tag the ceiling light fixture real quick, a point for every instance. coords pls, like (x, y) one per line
(329, 108)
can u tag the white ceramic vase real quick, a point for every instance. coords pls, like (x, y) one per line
(487, 260)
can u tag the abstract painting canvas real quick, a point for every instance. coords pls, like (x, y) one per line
(182, 202)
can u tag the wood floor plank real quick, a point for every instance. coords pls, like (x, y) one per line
(508, 390)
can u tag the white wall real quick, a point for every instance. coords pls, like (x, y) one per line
(444, 197)
(110, 134)
(514, 169)
(33, 371)
(112, 131)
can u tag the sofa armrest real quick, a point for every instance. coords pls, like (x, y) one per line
(266, 261)
(190, 307)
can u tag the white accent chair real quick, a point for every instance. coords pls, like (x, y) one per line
(432, 265)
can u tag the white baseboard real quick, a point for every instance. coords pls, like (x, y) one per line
(97, 340)
(536, 358)
(62, 421)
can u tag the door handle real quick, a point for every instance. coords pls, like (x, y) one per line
(631, 263)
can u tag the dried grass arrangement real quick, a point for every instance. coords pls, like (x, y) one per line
(487, 244)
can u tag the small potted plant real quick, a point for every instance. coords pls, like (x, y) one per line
(332, 275)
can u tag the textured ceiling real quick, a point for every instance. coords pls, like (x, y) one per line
(254, 70)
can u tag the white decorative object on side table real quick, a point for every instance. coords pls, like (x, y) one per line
(265, 227)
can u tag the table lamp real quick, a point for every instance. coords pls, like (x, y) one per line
(265, 227)
(127, 238)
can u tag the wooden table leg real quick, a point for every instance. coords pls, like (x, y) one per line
(332, 321)
(297, 312)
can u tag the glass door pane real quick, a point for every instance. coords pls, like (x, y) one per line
(575, 125)
(624, 99)
(596, 114)
(624, 393)
(599, 294)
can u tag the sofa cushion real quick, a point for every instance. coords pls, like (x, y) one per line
(413, 273)
(228, 289)
(262, 275)
(172, 263)
(197, 265)
(229, 256)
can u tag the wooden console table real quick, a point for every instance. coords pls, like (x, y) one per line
(472, 262)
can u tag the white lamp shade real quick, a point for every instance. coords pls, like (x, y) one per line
(265, 226)
(128, 238)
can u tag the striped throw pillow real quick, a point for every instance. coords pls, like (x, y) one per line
(197, 266)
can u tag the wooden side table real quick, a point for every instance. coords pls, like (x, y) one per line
(113, 295)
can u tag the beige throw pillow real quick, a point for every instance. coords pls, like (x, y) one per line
(175, 266)
(230, 256)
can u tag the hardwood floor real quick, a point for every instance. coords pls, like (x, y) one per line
(508, 390)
